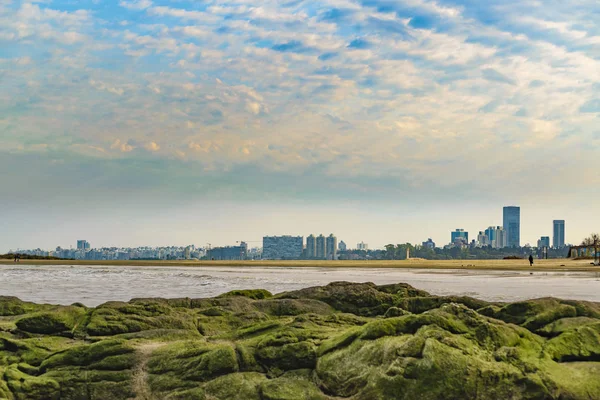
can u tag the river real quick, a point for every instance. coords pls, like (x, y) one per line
(93, 285)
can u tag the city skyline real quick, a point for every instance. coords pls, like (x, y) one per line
(322, 249)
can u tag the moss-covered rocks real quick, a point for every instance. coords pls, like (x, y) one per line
(343, 340)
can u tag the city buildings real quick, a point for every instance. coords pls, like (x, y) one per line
(83, 245)
(511, 220)
(490, 232)
(311, 247)
(331, 247)
(282, 247)
(321, 251)
(341, 247)
(362, 246)
(501, 240)
(228, 252)
(482, 239)
(558, 238)
(459, 233)
(429, 244)
(544, 241)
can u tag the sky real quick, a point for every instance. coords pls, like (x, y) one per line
(180, 122)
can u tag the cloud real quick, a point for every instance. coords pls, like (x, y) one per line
(592, 106)
(493, 75)
(152, 146)
(136, 5)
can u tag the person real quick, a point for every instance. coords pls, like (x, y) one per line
(530, 260)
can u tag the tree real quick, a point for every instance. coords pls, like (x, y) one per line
(593, 241)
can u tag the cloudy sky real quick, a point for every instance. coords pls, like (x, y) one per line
(177, 122)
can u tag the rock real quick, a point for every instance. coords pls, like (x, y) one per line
(343, 340)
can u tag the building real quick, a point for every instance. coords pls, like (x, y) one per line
(558, 238)
(429, 244)
(490, 232)
(83, 245)
(282, 247)
(228, 252)
(362, 246)
(544, 241)
(187, 253)
(511, 220)
(331, 247)
(321, 248)
(501, 239)
(342, 246)
(459, 233)
(483, 239)
(311, 247)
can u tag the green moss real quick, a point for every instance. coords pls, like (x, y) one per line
(291, 388)
(236, 386)
(13, 306)
(94, 356)
(254, 294)
(57, 321)
(27, 387)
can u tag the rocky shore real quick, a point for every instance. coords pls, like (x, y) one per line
(343, 340)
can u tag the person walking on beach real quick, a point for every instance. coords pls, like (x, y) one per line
(530, 260)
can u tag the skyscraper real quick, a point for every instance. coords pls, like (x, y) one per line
(501, 238)
(558, 238)
(321, 249)
(342, 246)
(512, 225)
(543, 242)
(83, 245)
(311, 247)
(331, 247)
(491, 234)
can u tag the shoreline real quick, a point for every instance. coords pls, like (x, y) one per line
(556, 265)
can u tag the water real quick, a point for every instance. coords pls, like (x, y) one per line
(93, 285)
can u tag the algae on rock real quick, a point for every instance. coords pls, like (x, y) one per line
(343, 340)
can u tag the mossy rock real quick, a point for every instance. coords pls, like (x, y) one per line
(106, 354)
(27, 387)
(10, 305)
(61, 320)
(254, 294)
(291, 388)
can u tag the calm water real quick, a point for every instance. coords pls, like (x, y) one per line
(93, 285)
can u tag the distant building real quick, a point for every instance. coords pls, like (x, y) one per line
(311, 247)
(558, 239)
(83, 245)
(228, 253)
(362, 246)
(544, 241)
(331, 247)
(282, 247)
(429, 244)
(501, 238)
(459, 233)
(482, 239)
(511, 219)
(342, 246)
(187, 253)
(321, 252)
(491, 234)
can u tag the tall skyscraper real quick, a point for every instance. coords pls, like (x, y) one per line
(558, 238)
(512, 225)
(83, 245)
(362, 246)
(342, 246)
(331, 247)
(491, 234)
(321, 249)
(311, 247)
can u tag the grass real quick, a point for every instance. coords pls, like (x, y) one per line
(505, 265)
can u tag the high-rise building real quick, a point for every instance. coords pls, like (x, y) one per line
(482, 239)
(331, 247)
(544, 241)
(83, 245)
(459, 233)
(501, 238)
(321, 252)
(511, 219)
(311, 247)
(282, 247)
(558, 238)
(362, 246)
(228, 253)
(342, 246)
(491, 234)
